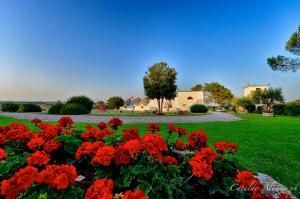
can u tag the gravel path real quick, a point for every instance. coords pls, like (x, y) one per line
(213, 117)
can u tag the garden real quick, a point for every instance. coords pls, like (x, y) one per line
(115, 160)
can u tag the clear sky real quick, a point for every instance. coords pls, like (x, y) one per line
(52, 49)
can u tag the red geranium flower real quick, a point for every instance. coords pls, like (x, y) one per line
(58, 176)
(101, 188)
(133, 146)
(154, 144)
(180, 145)
(36, 121)
(122, 155)
(100, 134)
(169, 160)
(35, 143)
(19, 182)
(66, 122)
(115, 122)
(232, 147)
(102, 125)
(197, 140)
(49, 131)
(284, 196)
(171, 129)
(201, 163)
(137, 194)
(223, 147)
(153, 127)
(246, 179)
(38, 158)
(131, 134)
(104, 155)
(52, 145)
(86, 148)
(3, 154)
(181, 131)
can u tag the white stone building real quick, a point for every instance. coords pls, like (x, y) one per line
(250, 88)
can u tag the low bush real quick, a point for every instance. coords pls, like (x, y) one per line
(83, 100)
(73, 109)
(56, 108)
(259, 110)
(24, 108)
(9, 107)
(292, 109)
(115, 102)
(198, 108)
(250, 107)
(279, 109)
(102, 162)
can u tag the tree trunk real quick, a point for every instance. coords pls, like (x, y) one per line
(162, 106)
(158, 102)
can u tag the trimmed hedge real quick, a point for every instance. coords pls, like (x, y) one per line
(291, 108)
(29, 108)
(10, 107)
(198, 108)
(56, 108)
(73, 109)
(259, 110)
(83, 100)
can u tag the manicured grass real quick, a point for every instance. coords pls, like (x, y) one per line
(268, 145)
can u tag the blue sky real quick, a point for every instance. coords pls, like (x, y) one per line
(50, 50)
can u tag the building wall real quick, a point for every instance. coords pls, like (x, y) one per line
(251, 88)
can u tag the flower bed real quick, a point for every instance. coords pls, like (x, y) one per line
(58, 161)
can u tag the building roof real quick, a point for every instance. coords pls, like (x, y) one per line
(256, 85)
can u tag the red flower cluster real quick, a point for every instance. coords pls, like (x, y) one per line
(115, 122)
(102, 125)
(154, 144)
(101, 188)
(131, 134)
(169, 160)
(14, 132)
(49, 131)
(65, 122)
(38, 158)
(180, 145)
(86, 148)
(201, 163)
(36, 121)
(35, 143)
(58, 176)
(153, 127)
(52, 145)
(127, 150)
(104, 155)
(96, 133)
(137, 194)
(197, 140)
(19, 182)
(3, 154)
(181, 131)
(223, 147)
(173, 129)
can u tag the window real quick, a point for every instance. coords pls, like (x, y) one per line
(258, 89)
(190, 98)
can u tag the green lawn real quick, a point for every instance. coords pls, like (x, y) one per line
(269, 145)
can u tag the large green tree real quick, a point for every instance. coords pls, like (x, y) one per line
(115, 102)
(160, 83)
(268, 97)
(197, 87)
(282, 63)
(218, 93)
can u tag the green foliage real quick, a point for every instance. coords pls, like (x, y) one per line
(9, 107)
(12, 164)
(198, 108)
(218, 93)
(198, 87)
(24, 108)
(259, 109)
(279, 109)
(246, 103)
(282, 63)
(115, 102)
(82, 100)
(292, 109)
(56, 108)
(70, 142)
(160, 83)
(73, 109)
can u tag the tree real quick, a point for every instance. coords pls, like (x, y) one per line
(246, 103)
(160, 83)
(101, 106)
(197, 87)
(115, 102)
(282, 63)
(218, 93)
(269, 97)
(256, 97)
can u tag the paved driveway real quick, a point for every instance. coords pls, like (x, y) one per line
(213, 117)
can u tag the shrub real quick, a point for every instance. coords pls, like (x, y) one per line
(56, 108)
(115, 102)
(83, 100)
(198, 108)
(279, 109)
(250, 107)
(259, 110)
(73, 109)
(24, 108)
(292, 109)
(9, 107)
